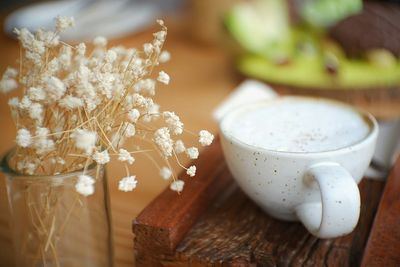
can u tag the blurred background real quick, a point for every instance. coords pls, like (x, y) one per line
(344, 49)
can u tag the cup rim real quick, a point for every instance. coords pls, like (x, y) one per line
(373, 124)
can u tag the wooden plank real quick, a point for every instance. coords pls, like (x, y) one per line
(233, 231)
(383, 248)
(160, 227)
(239, 232)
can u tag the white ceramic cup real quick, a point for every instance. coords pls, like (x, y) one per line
(317, 188)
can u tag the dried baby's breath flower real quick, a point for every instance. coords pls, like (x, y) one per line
(177, 185)
(84, 140)
(117, 140)
(191, 171)
(111, 56)
(133, 115)
(146, 86)
(138, 100)
(85, 185)
(24, 138)
(173, 121)
(205, 138)
(129, 129)
(8, 82)
(160, 21)
(101, 157)
(70, 102)
(36, 94)
(127, 184)
(36, 112)
(63, 23)
(27, 167)
(82, 105)
(81, 49)
(60, 160)
(179, 147)
(30, 168)
(165, 56)
(165, 173)
(124, 155)
(10, 73)
(13, 102)
(153, 112)
(163, 140)
(100, 41)
(42, 142)
(192, 152)
(148, 48)
(160, 36)
(163, 77)
(25, 103)
(54, 88)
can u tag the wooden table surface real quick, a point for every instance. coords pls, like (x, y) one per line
(201, 76)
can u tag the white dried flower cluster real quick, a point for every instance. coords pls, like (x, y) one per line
(85, 140)
(24, 138)
(70, 102)
(174, 123)
(133, 115)
(191, 171)
(162, 139)
(8, 82)
(129, 129)
(85, 185)
(146, 86)
(28, 167)
(177, 185)
(205, 138)
(192, 152)
(127, 184)
(43, 144)
(101, 157)
(124, 155)
(165, 56)
(179, 147)
(165, 173)
(82, 106)
(163, 77)
(63, 23)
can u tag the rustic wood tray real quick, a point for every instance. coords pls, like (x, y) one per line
(213, 223)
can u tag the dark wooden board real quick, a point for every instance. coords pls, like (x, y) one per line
(383, 248)
(213, 223)
(164, 222)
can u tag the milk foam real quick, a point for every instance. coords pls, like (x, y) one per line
(299, 125)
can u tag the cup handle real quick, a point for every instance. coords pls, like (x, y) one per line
(338, 212)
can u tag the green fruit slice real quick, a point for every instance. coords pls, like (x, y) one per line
(310, 73)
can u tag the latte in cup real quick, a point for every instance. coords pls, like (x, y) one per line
(300, 158)
(300, 125)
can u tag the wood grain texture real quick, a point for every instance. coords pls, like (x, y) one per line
(168, 217)
(233, 231)
(383, 248)
(243, 233)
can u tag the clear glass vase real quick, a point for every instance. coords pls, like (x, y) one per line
(53, 225)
